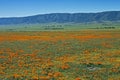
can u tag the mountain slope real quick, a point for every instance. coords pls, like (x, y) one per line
(63, 18)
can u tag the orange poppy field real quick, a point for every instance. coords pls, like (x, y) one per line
(60, 55)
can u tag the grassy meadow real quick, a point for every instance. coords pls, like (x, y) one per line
(88, 54)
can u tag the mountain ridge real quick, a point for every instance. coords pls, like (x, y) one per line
(63, 18)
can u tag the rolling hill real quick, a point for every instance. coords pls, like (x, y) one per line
(112, 16)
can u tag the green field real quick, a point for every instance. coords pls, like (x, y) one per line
(60, 27)
(87, 54)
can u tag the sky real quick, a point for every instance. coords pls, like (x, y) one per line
(21, 8)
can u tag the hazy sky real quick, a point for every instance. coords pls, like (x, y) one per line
(14, 8)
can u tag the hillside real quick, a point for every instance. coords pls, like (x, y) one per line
(112, 16)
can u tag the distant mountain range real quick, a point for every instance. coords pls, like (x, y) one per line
(63, 18)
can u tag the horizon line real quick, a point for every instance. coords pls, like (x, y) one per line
(55, 13)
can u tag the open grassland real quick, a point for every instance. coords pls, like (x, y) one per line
(60, 26)
(60, 55)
